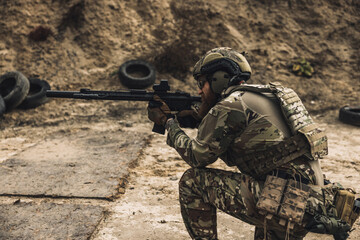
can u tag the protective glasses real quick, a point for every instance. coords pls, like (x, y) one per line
(201, 83)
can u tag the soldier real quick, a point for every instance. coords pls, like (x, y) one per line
(263, 130)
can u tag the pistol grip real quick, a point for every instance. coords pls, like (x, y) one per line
(159, 129)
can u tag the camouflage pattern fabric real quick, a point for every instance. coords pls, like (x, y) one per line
(218, 53)
(307, 138)
(203, 190)
(271, 195)
(285, 198)
(229, 130)
(294, 202)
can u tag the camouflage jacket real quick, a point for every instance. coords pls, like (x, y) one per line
(229, 130)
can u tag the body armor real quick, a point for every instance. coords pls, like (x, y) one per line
(307, 139)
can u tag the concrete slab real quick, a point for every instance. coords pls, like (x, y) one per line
(48, 221)
(86, 163)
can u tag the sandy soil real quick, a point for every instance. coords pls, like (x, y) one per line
(90, 39)
(149, 209)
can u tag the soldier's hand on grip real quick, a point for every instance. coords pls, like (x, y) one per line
(158, 111)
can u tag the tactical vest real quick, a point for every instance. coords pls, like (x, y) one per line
(307, 137)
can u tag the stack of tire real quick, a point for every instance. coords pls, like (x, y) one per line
(18, 91)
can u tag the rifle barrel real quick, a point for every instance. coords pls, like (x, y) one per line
(60, 94)
(132, 95)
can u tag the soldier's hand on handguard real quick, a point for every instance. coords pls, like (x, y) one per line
(158, 111)
(188, 118)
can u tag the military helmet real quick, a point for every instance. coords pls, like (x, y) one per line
(223, 67)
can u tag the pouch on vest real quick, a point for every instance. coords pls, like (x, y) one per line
(355, 214)
(348, 209)
(270, 197)
(284, 198)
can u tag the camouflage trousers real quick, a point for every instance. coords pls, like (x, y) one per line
(204, 190)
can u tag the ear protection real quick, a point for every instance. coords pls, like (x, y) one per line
(219, 80)
(222, 73)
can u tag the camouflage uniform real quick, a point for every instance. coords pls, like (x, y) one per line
(266, 132)
(230, 129)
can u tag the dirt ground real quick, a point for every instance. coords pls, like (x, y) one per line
(149, 209)
(88, 40)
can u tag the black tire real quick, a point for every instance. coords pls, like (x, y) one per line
(137, 74)
(2, 106)
(14, 87)
(350, 115)
(36, 95)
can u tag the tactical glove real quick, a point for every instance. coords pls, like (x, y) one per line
(189, 118)
(158, 111)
